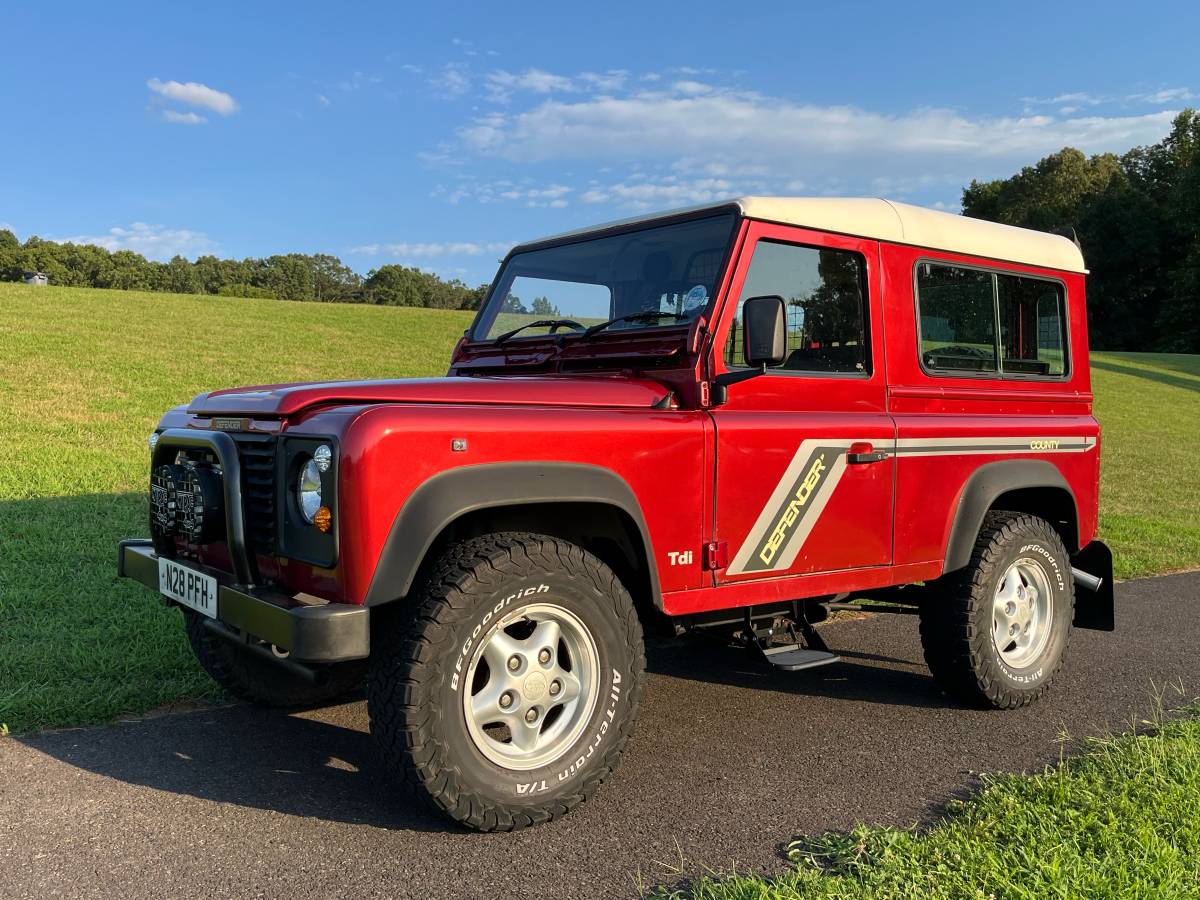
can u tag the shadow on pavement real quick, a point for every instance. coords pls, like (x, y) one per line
(322, 763)
(892, 681)
(266, 759)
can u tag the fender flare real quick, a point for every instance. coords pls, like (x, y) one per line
(981, 490)
(445, 497)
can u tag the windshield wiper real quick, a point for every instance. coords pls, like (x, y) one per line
(648, 316)
(552, 324)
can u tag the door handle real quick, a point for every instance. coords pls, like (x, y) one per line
(862, 452)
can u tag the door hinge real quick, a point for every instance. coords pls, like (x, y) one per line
(716, 555)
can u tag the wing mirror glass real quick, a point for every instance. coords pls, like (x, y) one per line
(764, 331)
(764, 343)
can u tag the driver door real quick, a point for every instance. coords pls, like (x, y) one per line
(804, 462)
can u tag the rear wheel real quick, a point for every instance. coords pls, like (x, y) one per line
(259, 681)
(504, 693)
(995, 632)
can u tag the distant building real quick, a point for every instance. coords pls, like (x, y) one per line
(41, 279)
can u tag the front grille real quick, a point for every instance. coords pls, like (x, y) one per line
(257, 455)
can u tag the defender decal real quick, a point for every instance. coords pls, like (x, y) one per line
(793, 509)
(799, 498)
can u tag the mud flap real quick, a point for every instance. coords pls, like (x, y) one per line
(1095, 607)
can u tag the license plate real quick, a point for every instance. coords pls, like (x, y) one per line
(193, 589)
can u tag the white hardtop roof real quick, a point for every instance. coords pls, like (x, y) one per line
(887, 220)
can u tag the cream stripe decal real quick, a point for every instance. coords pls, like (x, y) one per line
(964, 446)
(798, 500)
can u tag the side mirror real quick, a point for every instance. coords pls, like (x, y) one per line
(764, 343)
(764, 331)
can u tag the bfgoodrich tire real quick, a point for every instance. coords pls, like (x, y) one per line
(995, 633)
(503, 692)
(258, 681)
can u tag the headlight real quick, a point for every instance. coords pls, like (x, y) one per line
(308, 490)
(152, 440)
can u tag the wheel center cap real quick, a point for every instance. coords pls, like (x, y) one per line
(534, 686)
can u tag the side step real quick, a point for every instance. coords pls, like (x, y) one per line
(792, 656)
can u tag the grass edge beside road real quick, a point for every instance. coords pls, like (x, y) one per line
(1120, 819)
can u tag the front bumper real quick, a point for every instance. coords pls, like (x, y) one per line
(332, 632)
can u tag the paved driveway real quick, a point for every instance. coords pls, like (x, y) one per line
(728, 763)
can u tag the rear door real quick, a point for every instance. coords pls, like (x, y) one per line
(804, 454)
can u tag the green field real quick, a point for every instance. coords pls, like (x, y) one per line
(85, 374)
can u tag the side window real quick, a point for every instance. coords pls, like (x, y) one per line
(1032, 326)
(978, 321)
(958, 318)
(825, 293)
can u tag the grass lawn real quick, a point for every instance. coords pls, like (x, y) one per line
(1122, 820)
(85, 375)
(1149, 407)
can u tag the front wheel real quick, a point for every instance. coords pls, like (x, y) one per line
(995, 633)
(504, 693)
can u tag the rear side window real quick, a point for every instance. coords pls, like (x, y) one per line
(1032, 326)
(825, 293)
(958, 318)
(973, 320)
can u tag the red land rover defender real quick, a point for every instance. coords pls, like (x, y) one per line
(734, 416)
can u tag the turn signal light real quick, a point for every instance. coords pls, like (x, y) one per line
(323, 519)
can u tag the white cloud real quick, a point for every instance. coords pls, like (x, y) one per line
(452, 81)
(501, 85)
(1168, 95)
(504, 190)
(152, 241)
(193, 93)
(431, 250)
(612, 80)
(322, 100)
(680, 141)
(178, 118)
(670, 191)
(752, 128)
(1076, 99)
(357, 81)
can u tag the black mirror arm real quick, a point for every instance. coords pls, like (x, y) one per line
(727, 378)
(720, 384)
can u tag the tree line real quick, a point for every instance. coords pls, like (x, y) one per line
(290, 276)
(1137, 217)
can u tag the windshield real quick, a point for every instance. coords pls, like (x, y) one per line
(672, 269)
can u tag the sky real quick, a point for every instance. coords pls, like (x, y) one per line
(437, 135)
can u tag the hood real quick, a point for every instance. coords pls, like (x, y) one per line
(279, 400)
